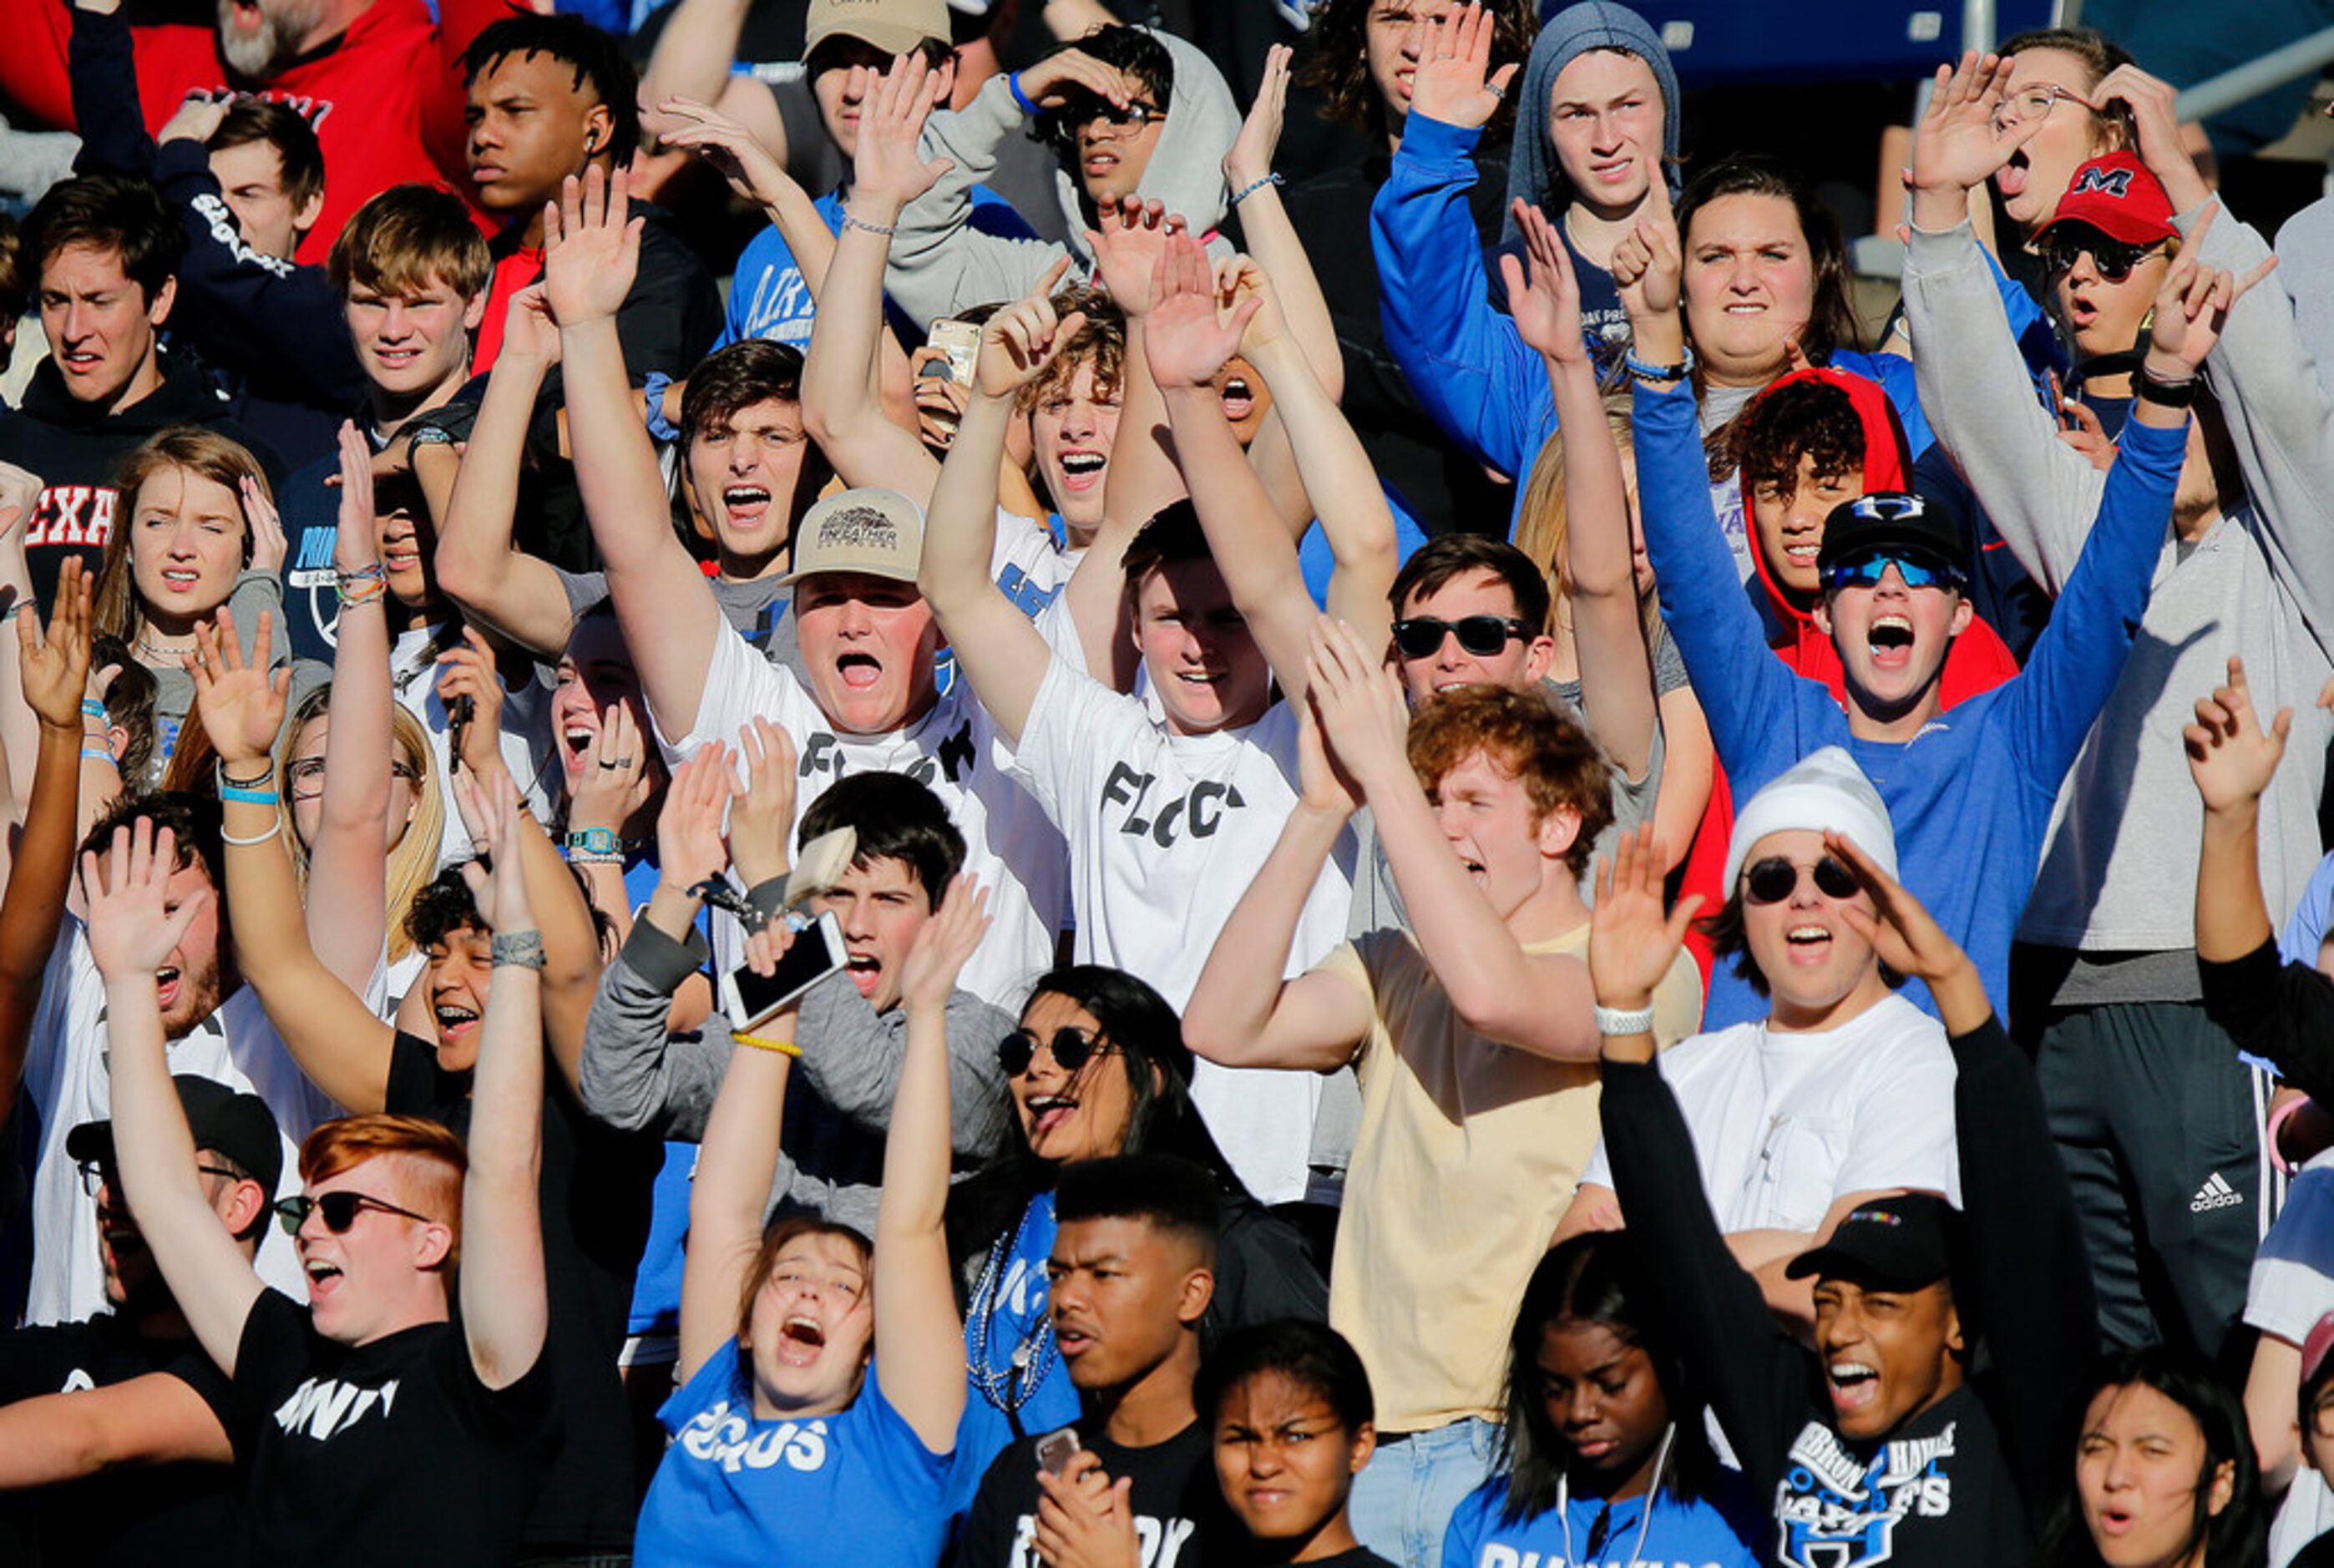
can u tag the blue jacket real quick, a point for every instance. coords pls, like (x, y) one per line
(1971, 796)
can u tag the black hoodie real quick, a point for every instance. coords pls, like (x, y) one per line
(76, 451)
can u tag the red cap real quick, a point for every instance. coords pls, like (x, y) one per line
(2116, 196)
(2314, 1349)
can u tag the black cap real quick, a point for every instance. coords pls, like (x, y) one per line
(1901, 1242)
(1888, 522)
(239, 1126)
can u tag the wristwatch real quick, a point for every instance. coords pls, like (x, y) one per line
(594, 842)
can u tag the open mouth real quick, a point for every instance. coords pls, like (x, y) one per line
(166, 987)
(1100, 164)
(2115, 1521)
(1239, 399)
(1073, 1340)
(2010, 179)
(1854, 1385)
(1808, 944)
(395, 359)
(577, 738)
(746, 503)
(324, 1278)
(1890, 641)
(1746, 308)
(80, 361)
(866, 971)
(1047, 1113)
(1803, 552)
(800, 1338)
(454, 1020)
(859, 672)
(1083, 470)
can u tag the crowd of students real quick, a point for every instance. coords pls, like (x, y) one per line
(1440, 874)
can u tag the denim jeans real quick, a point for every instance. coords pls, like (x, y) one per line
(1403, 1502)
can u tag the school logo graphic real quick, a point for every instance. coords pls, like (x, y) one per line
(1835, 1511)
(73, 514)
(2114, 182)
(324, 1408)
(1196, 814)
(723, 1437)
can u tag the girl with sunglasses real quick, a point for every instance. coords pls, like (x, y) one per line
(1097, 1068)
(1834, 1096)
(1605, 1457)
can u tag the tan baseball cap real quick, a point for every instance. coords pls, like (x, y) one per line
(894, 26)
(877, 533)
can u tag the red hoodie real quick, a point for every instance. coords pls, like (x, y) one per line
(1978, 659)
(386, 98)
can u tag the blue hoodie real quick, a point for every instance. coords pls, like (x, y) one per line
(1971, 796)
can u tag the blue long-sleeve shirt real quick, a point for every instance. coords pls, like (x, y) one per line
(1971, 796)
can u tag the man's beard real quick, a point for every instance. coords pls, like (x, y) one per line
(283, 23)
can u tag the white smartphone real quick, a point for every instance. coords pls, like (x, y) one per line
(960, 340)
(749, 998)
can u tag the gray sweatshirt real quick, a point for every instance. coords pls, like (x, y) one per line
(2120, 865)
(635, 1076)
(940, 265)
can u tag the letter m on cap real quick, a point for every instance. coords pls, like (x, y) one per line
(2114, 182)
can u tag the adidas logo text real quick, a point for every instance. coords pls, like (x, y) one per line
(2216, 1193)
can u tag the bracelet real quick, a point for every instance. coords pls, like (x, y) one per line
(1645, 372)
(9, 614)
(274, 828)
(266, 776)
(783, 1047)
(1613, 1022)
(246, 797)
(2164, 394)
(520, 949)
(95, 754)
(92, 708)
(430, 434)
(1251, 188)
(652, 414)
(593, 858)
(365, 585)
(1013, 86)
(886, 230)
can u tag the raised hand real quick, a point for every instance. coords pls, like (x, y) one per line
(1545, 300)
(267, 545)
(1251, 158)
(1649, 264)
(1188, 336)
(1240, 281)
(762, 818)
(1323, 787)
(468, 672)
(1632, 942)
(1360, 705)
(2231, 756)
(132, 929)
(1131, 236)
(1960, 141)
(942, 945)
(530, 335)
(2192, 305)
(241, 709)
(356, 540)
(752, 172)
(1454, 82)
(195, 120)
(55, 662)
(591, 247)
(887, 172)
(616, 780)
(1020, 341)
(489, 809)
(1905, 935)
(1052, 82)
(2156, 126)
(689, 850)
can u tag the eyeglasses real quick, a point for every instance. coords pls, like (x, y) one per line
(1866, 571)
(339, 1210)
(1772, 880)
(1421, 636)
(2034, 102)
(2112, 259)
(96, 1173)
(306, 776)
(1135, 114)
(1071, 1048)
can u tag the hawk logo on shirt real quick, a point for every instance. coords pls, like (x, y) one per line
(1836, 1511)
(719, 1436)
(1158, 1542)
(73, 514)
(326, 1408)
(1197, 813)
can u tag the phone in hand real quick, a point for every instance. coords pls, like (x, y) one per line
(1054, 1449)
(749, 998)
(960, 340)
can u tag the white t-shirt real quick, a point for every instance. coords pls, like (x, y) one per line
(1166, 831)
(1027, 566)
(67, 1077)
(2292, 1288)
(956, 750)
(1786, 1125)
(527, 743)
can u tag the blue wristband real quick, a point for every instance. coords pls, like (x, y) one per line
(1013, 85)
(659, 426)
(228, 792)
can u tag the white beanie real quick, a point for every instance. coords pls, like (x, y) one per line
(1824, 792)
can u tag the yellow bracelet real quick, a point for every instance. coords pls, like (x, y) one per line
(783, 1047)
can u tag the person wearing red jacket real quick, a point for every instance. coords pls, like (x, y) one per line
(382, 83)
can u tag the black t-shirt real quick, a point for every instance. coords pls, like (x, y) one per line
(168, 1512)
(1180, 1520)
(1938, 1492)
(2319, 1553)
(390, 1453)
(1359, 1557)
(596, 1186)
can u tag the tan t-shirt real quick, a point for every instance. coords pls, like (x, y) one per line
(1467, 1156)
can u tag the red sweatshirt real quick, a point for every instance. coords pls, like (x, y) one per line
(386, 97)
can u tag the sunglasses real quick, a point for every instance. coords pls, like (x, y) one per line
(1071, 1048)
(1866, 571)
(2113, 259)
(1771, 882)
(96, 1173)
(1063, 125)
(1419, 636)
(339, 1210)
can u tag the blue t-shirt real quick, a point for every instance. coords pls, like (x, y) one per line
(768, 296)
(1008, 1314)
(1712, 1532)
(736, 1489)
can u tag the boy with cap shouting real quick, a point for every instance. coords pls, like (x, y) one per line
(1884, 1448)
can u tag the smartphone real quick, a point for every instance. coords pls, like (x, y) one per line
(961, 342)
(1054, 1449)
(749, 998)
(459, 714)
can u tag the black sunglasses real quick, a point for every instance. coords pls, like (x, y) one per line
(1771, 882)
(96, 1173)
(339, 1210)
(2113, 258)
(1071, 1048)
(1420, 635)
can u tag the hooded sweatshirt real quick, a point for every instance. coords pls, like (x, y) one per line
(940, 264)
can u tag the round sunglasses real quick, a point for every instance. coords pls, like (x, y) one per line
(339, 1209)
(1773, 880)
(1421, 636)
(1071, 1048)
(2113, 259)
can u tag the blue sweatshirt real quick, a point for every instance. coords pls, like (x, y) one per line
(1712, 1532)
(1971, 796)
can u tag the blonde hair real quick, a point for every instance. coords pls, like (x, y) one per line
(187, 448)
(414, 861)
(1544, 520)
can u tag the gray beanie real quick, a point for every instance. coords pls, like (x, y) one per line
(1533, 173)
